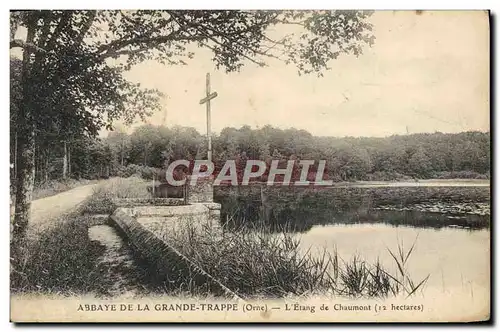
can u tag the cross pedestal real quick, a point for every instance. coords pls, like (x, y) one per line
(202, 191)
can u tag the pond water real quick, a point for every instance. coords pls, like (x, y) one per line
(457, 260)
(449, 221)
(299, 209)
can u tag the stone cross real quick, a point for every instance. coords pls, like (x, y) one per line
(206, 101)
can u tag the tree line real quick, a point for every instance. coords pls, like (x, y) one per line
(150, 149)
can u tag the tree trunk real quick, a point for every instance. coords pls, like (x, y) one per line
(46, 172)
(15, 157)
(24, 183)
(26, 149)
(35, 172)
(65, 161)
(69, 161)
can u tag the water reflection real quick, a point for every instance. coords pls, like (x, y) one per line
(425, 207)
(458, 261)
(366, 221)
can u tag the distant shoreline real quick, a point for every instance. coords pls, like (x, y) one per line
(419, 183)
(395, 183)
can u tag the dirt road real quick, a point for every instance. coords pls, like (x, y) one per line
(53, 206)
(44, 210)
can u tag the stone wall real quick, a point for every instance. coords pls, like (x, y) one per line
(165, 261)
(200, 192)
(165, 190)
(170, 220)
(131, 202)
(151, 224)
(214, 215)
(161, 256)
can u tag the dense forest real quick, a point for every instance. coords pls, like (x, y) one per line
(149, 149)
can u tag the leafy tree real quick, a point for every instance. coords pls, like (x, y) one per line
(119, 143)
(419, 163)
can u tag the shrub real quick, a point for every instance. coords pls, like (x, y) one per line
(387, 176)
(141, 171)
(461, 175)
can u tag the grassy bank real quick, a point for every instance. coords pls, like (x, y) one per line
(60, 260)
(65, 260)
(257, 264)
(102, 198)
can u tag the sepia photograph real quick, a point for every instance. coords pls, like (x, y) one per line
(226, 166)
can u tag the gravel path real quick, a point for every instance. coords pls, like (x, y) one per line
(46, 210)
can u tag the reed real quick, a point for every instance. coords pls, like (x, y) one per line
(256, 263)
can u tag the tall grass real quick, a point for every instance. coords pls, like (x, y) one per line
(59, 260)
(259, 264)
(102, 199)
(403, 281)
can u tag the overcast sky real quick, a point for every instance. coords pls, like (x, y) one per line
(429, 72)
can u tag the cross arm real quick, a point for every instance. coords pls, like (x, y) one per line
(208, 98)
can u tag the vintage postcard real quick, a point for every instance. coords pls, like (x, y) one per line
(250, 166)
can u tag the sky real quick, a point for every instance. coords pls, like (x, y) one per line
(425, 73)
